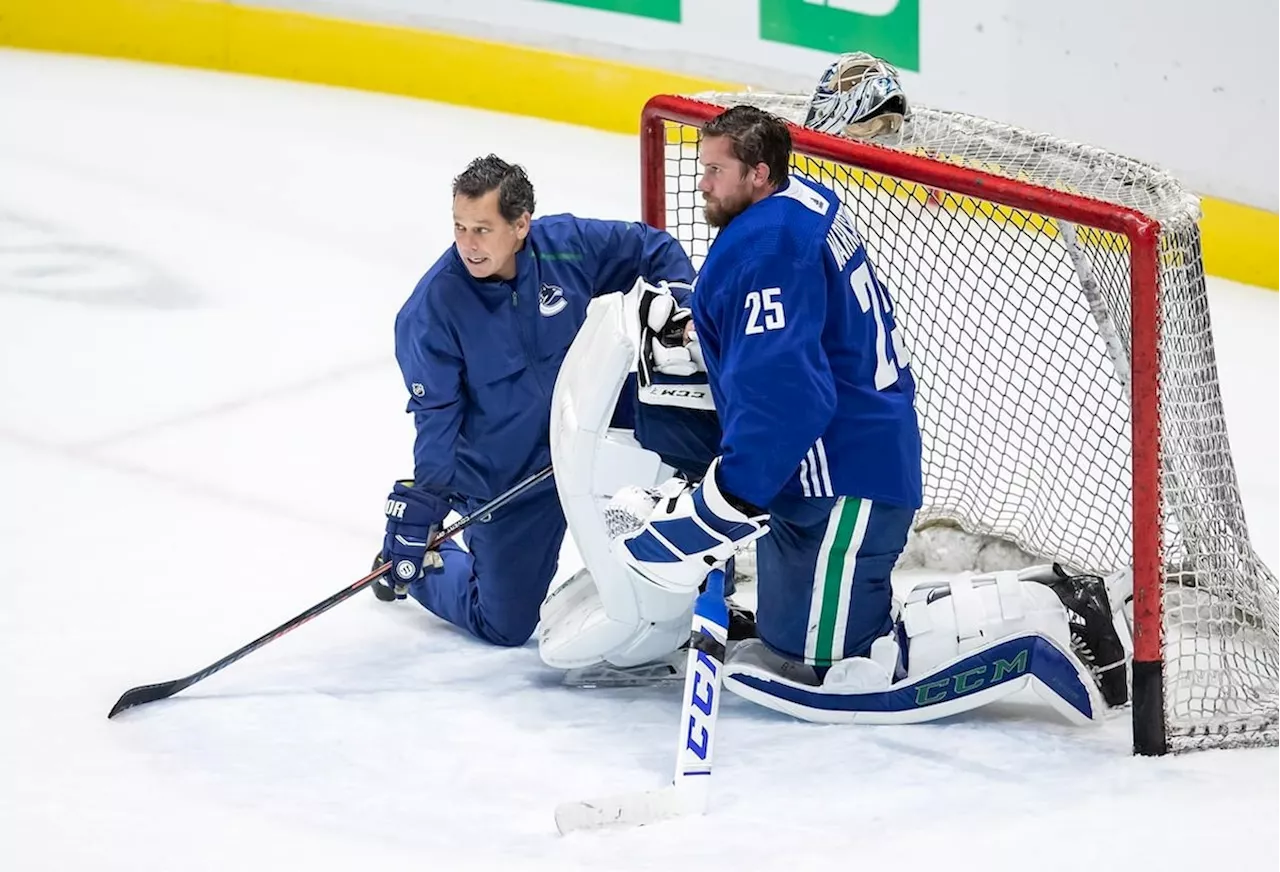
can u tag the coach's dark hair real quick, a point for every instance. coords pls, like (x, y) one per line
(757, 137)
(492, 173)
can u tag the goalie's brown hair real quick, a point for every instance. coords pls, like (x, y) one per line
(757, 137)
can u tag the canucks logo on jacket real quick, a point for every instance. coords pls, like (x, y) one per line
(551, 300)
(807, 365)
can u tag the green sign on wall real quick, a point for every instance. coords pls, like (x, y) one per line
(825, 25)
(663, 10)
(817, 24)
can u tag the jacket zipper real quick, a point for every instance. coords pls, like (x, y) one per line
(527, 342)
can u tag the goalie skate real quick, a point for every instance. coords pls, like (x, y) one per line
(1095, 631)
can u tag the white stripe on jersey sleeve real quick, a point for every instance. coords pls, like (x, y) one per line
(821, 453)
(804, 476)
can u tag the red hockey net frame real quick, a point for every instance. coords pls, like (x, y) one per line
(1143, 235)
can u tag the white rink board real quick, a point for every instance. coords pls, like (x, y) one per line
(1129, 77)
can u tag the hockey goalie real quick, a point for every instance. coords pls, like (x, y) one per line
(812, 453)
(952, 645)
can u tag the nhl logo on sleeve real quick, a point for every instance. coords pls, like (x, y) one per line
(418, 389)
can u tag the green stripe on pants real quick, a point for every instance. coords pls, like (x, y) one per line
(833, 580)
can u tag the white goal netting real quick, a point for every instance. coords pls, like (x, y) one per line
(1019, 331)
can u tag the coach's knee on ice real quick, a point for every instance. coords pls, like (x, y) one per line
(510, 631)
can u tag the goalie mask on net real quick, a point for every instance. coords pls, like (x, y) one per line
(859, 96)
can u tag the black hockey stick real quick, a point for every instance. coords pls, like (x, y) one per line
(165, 689)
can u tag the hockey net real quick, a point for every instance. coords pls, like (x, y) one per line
(1053, 300)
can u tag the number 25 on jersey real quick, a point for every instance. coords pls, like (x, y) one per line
(764, 311)
(890, 350)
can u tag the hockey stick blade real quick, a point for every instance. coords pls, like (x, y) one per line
(149, 693)
(146, 693)
(626, 809)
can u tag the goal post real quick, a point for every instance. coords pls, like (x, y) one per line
(1054, 306)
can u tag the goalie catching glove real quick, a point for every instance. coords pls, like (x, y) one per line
(689, 530)
(670, 368)
(670, 345)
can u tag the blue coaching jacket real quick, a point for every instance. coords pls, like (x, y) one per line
(480, 357)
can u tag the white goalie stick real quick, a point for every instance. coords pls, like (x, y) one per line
(690, 788)
(1116, 350)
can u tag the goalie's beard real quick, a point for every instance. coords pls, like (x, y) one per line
(720, 211)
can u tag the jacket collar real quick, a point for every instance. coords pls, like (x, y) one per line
(494, 291)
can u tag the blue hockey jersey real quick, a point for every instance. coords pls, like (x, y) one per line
(806, 363)
(480, 357)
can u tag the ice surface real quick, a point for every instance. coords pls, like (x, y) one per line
(199, 419)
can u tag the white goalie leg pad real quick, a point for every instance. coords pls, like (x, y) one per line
(575, 629)
(652, 641)
(971, 641)
(965, 614)
(973, 615)
(603, 612)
